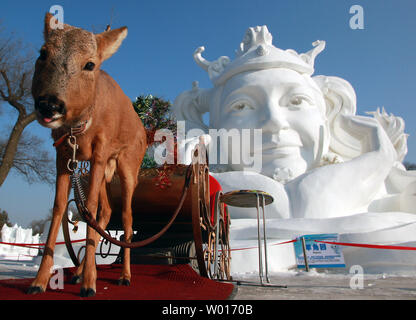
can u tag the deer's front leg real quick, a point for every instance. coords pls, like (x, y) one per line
(61, 199)
(98, 164)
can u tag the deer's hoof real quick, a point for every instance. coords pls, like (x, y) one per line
(124, 282)
(35, 290)
(75, 279)
(87, 292)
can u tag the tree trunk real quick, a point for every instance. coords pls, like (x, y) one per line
(12, 144)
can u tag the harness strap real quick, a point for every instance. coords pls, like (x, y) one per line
(59, 141)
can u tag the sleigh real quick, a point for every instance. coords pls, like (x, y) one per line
(198, 235)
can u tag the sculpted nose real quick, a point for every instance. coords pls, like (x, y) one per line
(49, 104)
(275, 119)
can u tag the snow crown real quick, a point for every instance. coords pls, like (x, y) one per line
(257, 52)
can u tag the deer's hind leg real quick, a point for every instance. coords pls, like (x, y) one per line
(128, 170)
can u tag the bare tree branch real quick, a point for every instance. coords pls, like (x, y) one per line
(31, 161)
(22, 86)
(3, 96)
(18, 106)
(7, 82)
(21, 151)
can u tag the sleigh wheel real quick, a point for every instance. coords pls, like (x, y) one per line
(210, 231)
(211, 255)
(224, 250)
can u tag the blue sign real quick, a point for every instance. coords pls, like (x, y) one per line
(319, 255)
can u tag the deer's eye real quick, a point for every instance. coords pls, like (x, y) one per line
(89, 66)
(43, 54)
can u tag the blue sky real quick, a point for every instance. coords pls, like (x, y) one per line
(156, 57)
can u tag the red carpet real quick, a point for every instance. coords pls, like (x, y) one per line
(149, 282)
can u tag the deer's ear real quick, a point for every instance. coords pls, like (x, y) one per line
(54, 23)
(47, 30)
(108, 42)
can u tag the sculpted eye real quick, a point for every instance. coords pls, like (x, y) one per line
(89, 66)
(241, 106)
(299, 100)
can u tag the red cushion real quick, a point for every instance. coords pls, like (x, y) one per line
(214, 187)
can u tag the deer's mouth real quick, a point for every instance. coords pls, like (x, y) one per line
(50, 111)
(55, 117)
(53, 122)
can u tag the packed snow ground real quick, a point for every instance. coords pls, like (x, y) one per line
(300, 284)
(393, 279)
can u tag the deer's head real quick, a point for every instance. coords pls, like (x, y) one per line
(66, 72)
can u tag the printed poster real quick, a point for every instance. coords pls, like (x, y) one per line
(320, 255)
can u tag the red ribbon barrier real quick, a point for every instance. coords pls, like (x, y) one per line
(36, 245)
(290, 241)
(274, 244)
(361, 245)
(372, 246)
(17, 256)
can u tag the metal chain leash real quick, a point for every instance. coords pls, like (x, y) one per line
(72, 164)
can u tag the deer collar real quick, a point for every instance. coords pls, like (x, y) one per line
(74, 131)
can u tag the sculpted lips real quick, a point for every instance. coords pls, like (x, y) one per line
(279, 151)
(282, 144)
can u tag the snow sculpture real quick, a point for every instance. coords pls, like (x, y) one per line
(17, 234)
(328, 169)
(319, 159)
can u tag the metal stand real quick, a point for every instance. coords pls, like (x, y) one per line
(261, 276)
(305, 257)
(250, 199)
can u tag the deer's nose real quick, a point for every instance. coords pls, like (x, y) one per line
(49, 105)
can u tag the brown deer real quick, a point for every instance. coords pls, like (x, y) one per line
(70, 91)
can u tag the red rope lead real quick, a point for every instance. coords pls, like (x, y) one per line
(372, 246)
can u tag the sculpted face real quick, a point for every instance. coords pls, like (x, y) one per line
(287, 106)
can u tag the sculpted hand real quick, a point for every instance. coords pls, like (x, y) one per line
(373, 136)
(366, 172)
